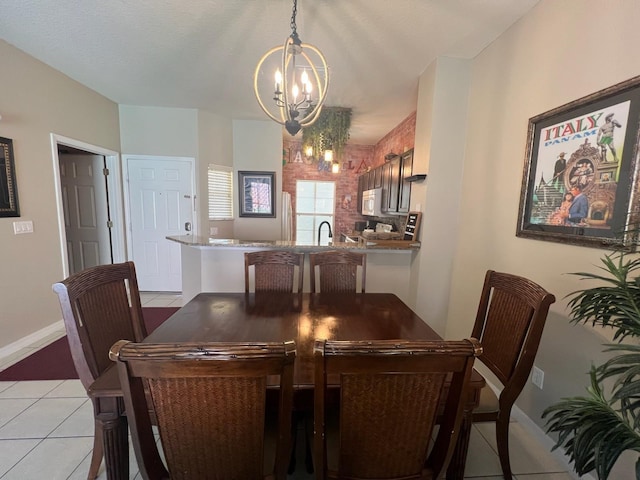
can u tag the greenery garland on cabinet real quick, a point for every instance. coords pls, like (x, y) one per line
(594, 430)
(329, 131)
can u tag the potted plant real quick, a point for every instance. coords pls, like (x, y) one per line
(329, 131)
(597, 428)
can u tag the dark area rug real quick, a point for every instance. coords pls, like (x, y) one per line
(54, 362)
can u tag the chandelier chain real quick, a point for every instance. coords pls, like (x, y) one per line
(293, 18)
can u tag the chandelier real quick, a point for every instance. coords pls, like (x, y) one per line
(295, 82)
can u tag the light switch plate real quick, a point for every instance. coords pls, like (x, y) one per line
(22, 227)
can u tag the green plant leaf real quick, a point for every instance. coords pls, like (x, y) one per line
(592, 433)
(616, 305)
(330, 130)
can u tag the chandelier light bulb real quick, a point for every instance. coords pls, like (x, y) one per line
(278, 80)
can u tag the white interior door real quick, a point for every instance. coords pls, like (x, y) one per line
(86, 210)
(160, 205)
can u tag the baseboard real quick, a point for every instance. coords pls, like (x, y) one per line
(541, 436)
(31, 339)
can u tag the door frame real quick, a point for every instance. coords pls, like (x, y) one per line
(114, 185)
(159, 158)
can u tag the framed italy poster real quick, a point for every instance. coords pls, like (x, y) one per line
(580, 177)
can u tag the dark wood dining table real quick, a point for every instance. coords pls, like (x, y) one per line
(303, 317)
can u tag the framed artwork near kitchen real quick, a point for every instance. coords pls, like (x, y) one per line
(580, 180)
(257, 194)
(8, 187)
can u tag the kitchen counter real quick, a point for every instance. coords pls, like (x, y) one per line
(364, 244)
(217, 264)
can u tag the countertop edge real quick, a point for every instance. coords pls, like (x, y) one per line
(209, 242)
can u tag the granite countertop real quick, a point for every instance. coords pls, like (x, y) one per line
(201, 241)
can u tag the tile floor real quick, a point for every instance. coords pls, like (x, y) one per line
(46, 431)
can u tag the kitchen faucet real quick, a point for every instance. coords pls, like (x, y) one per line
(320, 228)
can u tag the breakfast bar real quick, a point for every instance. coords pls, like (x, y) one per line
(204, 258)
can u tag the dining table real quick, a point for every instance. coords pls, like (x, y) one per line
(279, 317)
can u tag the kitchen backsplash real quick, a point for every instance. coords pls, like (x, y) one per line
(398, 222)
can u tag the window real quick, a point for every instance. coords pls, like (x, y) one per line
(315, 202)
(220, 187)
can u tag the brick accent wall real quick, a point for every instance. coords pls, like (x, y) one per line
(356, 160)
(353, 157)
(398, 140)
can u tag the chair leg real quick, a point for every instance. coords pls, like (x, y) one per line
(294, 439)
(502, 439)
(98, 452)
(308, 435)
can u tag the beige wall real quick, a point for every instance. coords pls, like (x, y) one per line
(161, 131)
(257, 146)
(442, 113)
(215, 145)
(557, 53)
(37, 101)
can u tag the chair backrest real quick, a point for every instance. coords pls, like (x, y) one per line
(509, 324)
(209, 400)
(338, 271)
(100, 305)
(274, 270)
(391, 394)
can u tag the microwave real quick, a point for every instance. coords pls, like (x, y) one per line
(372, 202)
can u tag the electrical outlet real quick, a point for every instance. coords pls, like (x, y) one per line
(537, 377)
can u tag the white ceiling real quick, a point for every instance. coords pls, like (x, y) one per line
(202, 53)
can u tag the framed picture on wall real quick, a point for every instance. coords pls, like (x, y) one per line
(580, 177)
(8, 187)
(257, 194)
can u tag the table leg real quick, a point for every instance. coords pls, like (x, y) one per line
(459, 458)
(115, 437)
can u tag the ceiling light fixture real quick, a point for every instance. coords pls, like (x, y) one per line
(295, 81)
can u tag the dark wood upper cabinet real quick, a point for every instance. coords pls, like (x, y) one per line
(392, 178)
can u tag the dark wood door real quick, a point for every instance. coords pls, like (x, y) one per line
(377, 173)
(362, 179)
(406, 169)
(371, 179)
(394, 185)
(386, 186)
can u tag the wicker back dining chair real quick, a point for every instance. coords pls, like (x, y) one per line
(274, 270)
(391, 395)
(209, 400)
(338, 270)
(100, 305)
(509, 324)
